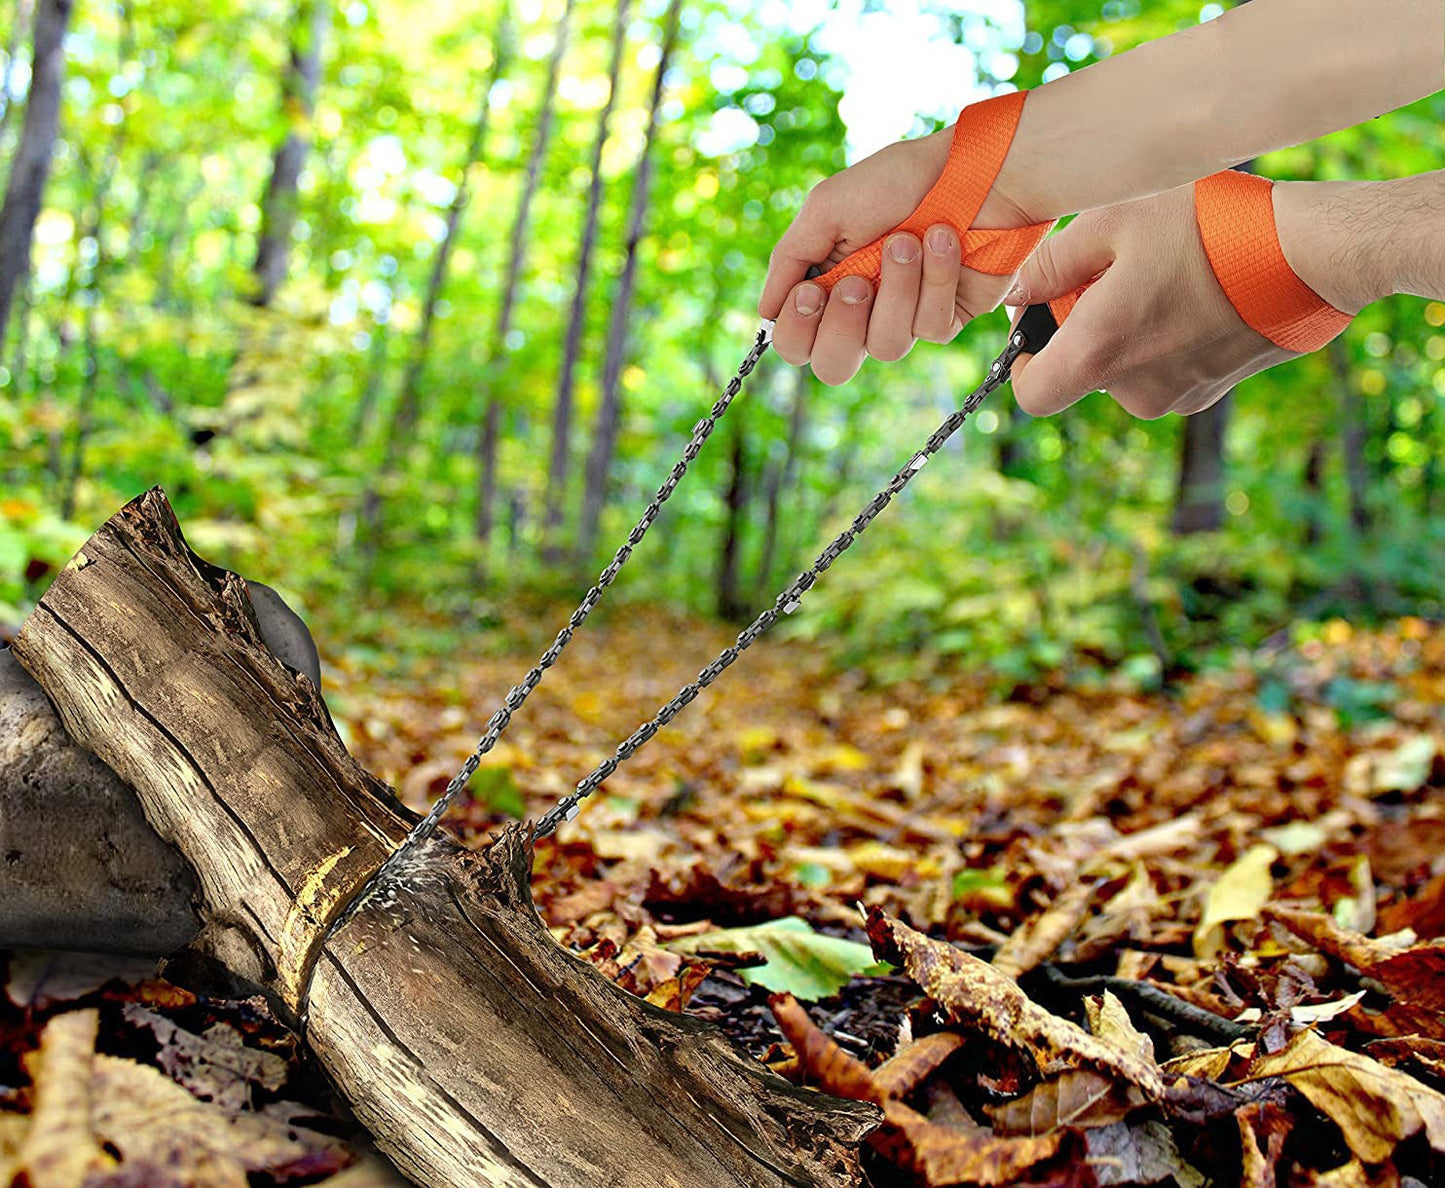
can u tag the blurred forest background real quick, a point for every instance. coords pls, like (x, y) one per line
(410, 306)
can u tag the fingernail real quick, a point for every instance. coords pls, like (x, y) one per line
(902, 248)
(854, 290)
(808, 300)
(940, 241)
(1016, 295)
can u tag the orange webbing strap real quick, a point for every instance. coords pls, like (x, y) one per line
(1236, 221)
(981, 140)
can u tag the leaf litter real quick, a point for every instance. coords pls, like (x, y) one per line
(1129, 938)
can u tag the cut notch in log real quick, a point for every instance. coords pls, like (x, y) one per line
(476, 1049)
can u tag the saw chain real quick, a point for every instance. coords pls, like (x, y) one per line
(1031, 334)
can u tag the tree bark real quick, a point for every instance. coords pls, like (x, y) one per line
(408, 403)
(475, 1049)
(557, 468)
(735, 499)
(1353, 431)
(609, 411)
(30, 170)
(781, 479)
(298, 104)
(516, 260)
(1199, 498)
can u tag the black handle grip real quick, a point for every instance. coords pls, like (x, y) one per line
(1038, 326)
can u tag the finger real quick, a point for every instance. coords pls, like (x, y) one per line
(838, 350)
(936, 318)
(797, 323)
(808, 241)
(890, 329)
(1064, 261)
(1080, 357)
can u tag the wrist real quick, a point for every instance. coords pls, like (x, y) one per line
(1329, 234)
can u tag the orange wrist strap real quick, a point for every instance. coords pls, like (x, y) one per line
(981, 141)
(1235, 212)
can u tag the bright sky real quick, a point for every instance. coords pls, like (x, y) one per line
(893, 65)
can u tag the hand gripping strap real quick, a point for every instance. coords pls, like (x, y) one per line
(1235, 212)
(981, 141)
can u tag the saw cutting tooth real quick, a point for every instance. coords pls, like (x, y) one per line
(571, 813)
(790, 607)
(919, 462)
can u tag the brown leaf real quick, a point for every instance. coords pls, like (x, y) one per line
(218, 1066)
(911, 1066)
(1256, 1122)
(1415, 976)
(1078, 1097)
(1035, 942)
(1376, 1108)
(944, 1156)
(826, 1064)
(979, 998)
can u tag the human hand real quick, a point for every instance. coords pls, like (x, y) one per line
(924, 291)
(1156, 329)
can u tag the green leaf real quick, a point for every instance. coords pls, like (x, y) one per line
(798, 961)
(494, 786)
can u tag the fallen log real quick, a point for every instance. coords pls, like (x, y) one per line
(475, 1049)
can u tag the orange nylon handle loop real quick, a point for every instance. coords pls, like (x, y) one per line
(1235, 212)
(981, 141)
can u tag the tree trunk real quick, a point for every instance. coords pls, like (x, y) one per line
(516, 260)
(730, 604)
(1199, 498)
(609, 412)
(1353, 431)
(31, 168)
(781, 479)
(408, 403)
(18, 22)
(298, 104)
(562, 409)
(475, 1049)
(1314, 484)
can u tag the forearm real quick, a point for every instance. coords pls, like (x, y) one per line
(1356, 242)
(1264, 76)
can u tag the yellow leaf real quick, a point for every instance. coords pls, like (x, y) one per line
(1240, 893)
(1376, 1108)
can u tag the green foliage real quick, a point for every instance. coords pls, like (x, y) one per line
(1031, 546)
(797, 961)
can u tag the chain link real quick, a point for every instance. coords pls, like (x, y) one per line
(786, 602)
(791, 597)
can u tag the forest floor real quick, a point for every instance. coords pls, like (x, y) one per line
(1187, 937)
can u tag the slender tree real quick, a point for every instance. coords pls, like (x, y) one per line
(562, 408)
(299, 84)
(730, 604)
(1354, 430)
(1199, 496)
(30, 169)
(516, 260)
(780, 477)
(408, 403)
(609, 412)
(18, 22)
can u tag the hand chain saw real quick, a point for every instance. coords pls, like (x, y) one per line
(980, 142)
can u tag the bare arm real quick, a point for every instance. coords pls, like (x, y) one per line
(1263, 76)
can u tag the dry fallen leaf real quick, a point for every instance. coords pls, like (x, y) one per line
(1038, 940)
(1375, 1107)
(978, 998)
(1240, 893)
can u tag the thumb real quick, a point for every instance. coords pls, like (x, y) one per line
(1078, 359)
(1064, 262)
